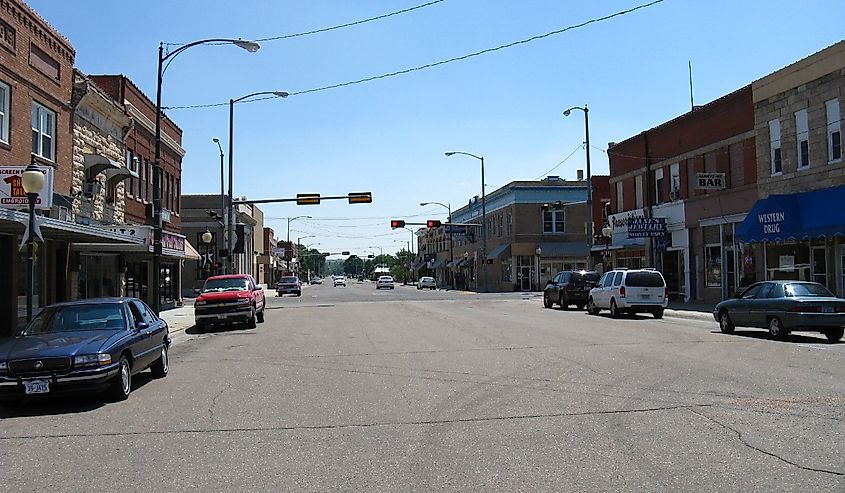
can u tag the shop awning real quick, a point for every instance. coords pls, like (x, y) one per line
(564, 249)
(799, 216)
(12, 222)
(95, 164)
(191, 252)
(452, 263)
(115, 176)
(500, 251)
(439, 263)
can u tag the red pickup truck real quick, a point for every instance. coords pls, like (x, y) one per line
(229, 299)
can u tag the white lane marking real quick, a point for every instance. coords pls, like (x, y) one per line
(816, 346)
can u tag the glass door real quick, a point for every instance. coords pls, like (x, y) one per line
(819, 265)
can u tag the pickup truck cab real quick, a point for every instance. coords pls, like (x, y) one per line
(229, 299)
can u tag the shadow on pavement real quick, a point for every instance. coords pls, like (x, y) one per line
(214, 329)
(790, 338)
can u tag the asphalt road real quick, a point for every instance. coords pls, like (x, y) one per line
(353, 389)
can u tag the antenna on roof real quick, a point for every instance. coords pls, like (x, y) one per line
(691, 103)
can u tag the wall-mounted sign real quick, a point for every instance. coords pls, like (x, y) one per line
(647, 227)
(710, 181)
(12, 195)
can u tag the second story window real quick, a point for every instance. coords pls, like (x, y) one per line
(4, 113)
(620, 206)
(675, 181)
(802, 136)
(658, 186)
(834, 134)
(510, 224)
(43, 132)
(774, 147)
(638, 191)
(554, 221)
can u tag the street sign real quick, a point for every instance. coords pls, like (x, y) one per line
(12, 194)
(452, 229)
(646, 227)
(279, 252)
(308, 199)
(360, 197)
(709, 181)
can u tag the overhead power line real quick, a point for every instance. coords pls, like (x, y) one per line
(441, 62)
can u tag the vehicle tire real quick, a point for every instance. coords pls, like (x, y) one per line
(260, 316)
(251, 323)
(834, 335)
(776, 329)
(547, 302)
(658, 314)
(199, 326)
(592, 309)
(161, 365)
(564, 303)
(614, 310)
(725, 324)
(122, 383)
(579, 306)
(299, 293)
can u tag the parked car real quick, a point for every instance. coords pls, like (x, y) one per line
(782, 307)
(570, 287)
(385, 282)
(426, 282)
(339, 281)
(88, 345)
(233, 298)
(629, 291)
(289, 285)
(316, 280)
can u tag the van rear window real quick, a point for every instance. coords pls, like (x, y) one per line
(644, 280)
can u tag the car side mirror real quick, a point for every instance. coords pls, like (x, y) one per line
(738, 294)
(142, 326)
(258, 287)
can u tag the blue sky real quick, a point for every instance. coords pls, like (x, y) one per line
(388, 136)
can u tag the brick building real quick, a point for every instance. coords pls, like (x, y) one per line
(798, 220)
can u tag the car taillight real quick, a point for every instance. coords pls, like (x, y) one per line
(840, 309)
(805, 309)
(666, 292)
(622, 292)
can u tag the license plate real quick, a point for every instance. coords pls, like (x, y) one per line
(221, 316)
(827, 309)
(646, 296)
(37, 387)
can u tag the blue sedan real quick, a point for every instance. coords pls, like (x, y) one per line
(784, 306)
(84, 346)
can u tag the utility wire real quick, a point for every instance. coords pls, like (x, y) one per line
(558, 165)
(441, 62)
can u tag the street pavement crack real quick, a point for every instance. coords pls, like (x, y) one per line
(214, 401)
(430, 422)
(758, 449)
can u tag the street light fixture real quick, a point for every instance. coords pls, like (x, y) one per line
(451, 243)
(222, 196)
(32, 182)
(589, 217)
(483, 216)
(230, 243)
(539, 252)
(207, 236)
(250, 46)
(291, 219)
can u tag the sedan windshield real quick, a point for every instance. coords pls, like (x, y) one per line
(816, 290)
(288, 280)
(75, 318)
(226, 284)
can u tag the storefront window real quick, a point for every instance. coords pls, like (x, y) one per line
(168, 283)
(136, 280)
(748, 265)
(506, 271)
(38, 284)
(713, 256)
(788, 261)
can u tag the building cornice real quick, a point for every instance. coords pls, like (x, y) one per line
(145, 122)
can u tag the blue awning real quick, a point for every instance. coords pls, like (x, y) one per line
(499, 251)
(564, 249)
(798, 216)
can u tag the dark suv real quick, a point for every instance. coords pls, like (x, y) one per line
(570, 287)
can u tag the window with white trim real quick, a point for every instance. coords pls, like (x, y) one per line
(802, 137)
(510, 224)
(638, 191)
(554, 221)
(43, 132)
(834, 134)
(658, 186)
(774, 147)
(4, 112)
(675, 181)
(619, 204)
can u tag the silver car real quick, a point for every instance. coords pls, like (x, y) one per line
(426, 282)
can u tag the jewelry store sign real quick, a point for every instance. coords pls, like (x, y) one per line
(12, 194)
(647, 227)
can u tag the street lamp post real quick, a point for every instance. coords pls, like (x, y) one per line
(451, 243)
(589, 217)
(298, 242)
(539, 252)
(32, 182)
(290, 219)
(483, 216)
(607, 232)
(222, 200)
(206, 238)
(230, 240)
(250, 46)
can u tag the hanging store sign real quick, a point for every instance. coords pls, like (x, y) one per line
(647, 227)
(12, 194)
(710, 181)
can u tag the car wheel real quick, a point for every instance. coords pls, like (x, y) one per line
(592, 309)
(776, 329)
(658, 313)
(199, 326)
(122, 383)
(580, 306)
(251, 324)
(834, 335)
(260, 316)
(547, 302)
(614, 310)
(299, 293)
(160, 366)
(725, 324)
(564, 302)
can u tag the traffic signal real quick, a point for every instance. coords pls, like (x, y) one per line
(432, 223)
(308, 199)
(360, 197)
(397, 223)
(371, 256)
(344, 253)
(326, 254)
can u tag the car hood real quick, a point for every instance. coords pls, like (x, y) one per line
(58, 344)
(212, 297)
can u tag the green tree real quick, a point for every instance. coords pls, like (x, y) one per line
(353, 265)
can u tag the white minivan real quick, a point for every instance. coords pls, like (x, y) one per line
(629, 291)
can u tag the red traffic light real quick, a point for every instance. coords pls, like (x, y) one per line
(397, 223)
(432, 223)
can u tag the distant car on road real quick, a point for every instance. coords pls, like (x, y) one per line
(84, 346)
(782, 307)
(629, 291)
(229, 299)
(570, 287)
(339, 281)
(385, 282)
(316, 280)
(289, 285)
(426, 282)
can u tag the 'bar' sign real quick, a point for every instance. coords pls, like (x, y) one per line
(709, 181)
